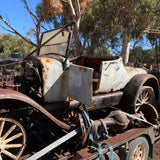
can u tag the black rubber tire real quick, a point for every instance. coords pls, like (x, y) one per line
(108, 156)
(143, 90)
(132, 88)
(122, 154)
(141, 144)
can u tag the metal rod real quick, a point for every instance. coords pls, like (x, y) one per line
(54, 144)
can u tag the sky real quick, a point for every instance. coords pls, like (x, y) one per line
(14, 12)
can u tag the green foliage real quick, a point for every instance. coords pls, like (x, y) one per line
(100, 51)
(12, 44)
(106, 20)
(140, 56)
(32, 32)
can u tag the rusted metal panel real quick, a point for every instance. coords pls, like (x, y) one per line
(14, 95)
(115, 141)
(115, 76)
(101, 100)
(55, 80)
(75, 82)
(107, 99)
(80, 83)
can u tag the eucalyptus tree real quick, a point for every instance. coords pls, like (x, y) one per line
(12, 44)
(135, 17)
(153, 33)
(72, 8)
(128, 18)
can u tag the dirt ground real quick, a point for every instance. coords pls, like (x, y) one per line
(156, 155)
(156, 151)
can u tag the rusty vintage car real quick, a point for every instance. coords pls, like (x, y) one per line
(54, 86)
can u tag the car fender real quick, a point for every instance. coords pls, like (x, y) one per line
(6, 94)
(133, 86)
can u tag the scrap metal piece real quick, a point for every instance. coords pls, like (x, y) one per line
(150, 113)
(116, 120)
(137, 118)
(6, 94)
(54, 144)
(80, 84)
(78, 119)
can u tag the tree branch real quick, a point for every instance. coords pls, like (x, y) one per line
(6, 29)
(33, 16)
(15, 32)
(72, 9)
(31, 13)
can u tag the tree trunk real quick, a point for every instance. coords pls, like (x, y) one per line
(94, 48)
(76, 16)
(156, 52)
(77, 41)
(125, 46)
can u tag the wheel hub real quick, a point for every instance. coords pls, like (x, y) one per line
(138, 153)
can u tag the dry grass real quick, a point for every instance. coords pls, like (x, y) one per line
(51, 8)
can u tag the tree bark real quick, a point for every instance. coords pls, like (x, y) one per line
(156, 52)
(94, 48)
(76, 16)
(126, 37)
(77, 41)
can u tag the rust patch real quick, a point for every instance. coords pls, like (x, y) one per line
(117, 68)
(47, 60)
(10, 94)
(83, 69)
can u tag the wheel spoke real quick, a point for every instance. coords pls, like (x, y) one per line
(141, 96)
(1, 127)
(139, 100)
(1, 157)
(146, 95)
(13, 146)
(9, 154)
(146, 100)
(143, 118)
(137, 109)
(9, 131)
(13, 137)
(138, 104)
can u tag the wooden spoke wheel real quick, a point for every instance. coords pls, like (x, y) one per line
(12, 139)
(144, 96)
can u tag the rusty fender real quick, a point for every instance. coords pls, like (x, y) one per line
(139, 80)
(14, 95)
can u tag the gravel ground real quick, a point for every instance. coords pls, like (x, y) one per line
(156, 151)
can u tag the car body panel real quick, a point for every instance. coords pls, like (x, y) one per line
(59, 84)
(115, 76)
(80, 83)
